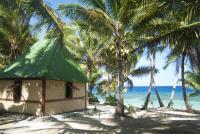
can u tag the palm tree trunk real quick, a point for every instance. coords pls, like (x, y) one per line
(88, 83)
(172, 95)
(119, 111)
(183, 83)
(157, 95)
(171, 98)
(147, 97)
(155, 88)
(89, 66)
(149, 89)
(14, 48)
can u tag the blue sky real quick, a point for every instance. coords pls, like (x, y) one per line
(56, 3)
(163, 78)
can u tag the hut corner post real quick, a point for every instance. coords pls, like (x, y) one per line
(86, 96)
(43, 96)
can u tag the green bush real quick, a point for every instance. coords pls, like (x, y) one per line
(92, 99)
(111, 100)
(131, 109)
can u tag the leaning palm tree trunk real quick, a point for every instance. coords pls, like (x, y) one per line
(171, 98)
(149, 89)
(183, 83)
(157, 95)
(172, 94)
(148, 95)
(155, 88)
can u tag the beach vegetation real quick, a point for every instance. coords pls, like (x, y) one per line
(111, 100)
(112, 36)
(92, 98)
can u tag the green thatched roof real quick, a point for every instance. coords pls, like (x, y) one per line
(45, 59)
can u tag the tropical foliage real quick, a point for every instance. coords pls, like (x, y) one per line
(181, 35)
(119, 23)
(15, 34)
(110, 35)
(193, 81)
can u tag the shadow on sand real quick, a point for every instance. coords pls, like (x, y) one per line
(80, 123)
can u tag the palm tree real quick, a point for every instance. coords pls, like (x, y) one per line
(193, 80)
(178, 55)
(193, 77)
(114, 20)
(15, 23)
(181, 34)
(85, 52)
(14, 30)
(45, 15)
(152, 82)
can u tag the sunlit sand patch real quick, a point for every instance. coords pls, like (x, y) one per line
(181, 119)
(143, 122)
(179, 113)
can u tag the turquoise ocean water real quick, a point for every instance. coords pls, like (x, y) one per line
(136, 96)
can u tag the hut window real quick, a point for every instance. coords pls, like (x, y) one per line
(17, 91)
(68, 90)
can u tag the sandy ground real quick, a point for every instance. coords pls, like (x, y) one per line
(154, 121)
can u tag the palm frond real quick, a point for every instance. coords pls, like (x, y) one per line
(113, 7)
(142, 71)
(194, 94)
(172, 34)
(98, 4)
(193, 11)
(193, 80)
(145, 13)
(96, 18)
(46, 15)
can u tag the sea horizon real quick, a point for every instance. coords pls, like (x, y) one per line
(159, 86)
(136, 96)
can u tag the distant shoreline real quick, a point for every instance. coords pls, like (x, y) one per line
(157, 86)
(136, 96)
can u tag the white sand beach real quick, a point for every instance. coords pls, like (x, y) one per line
(154, 121)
